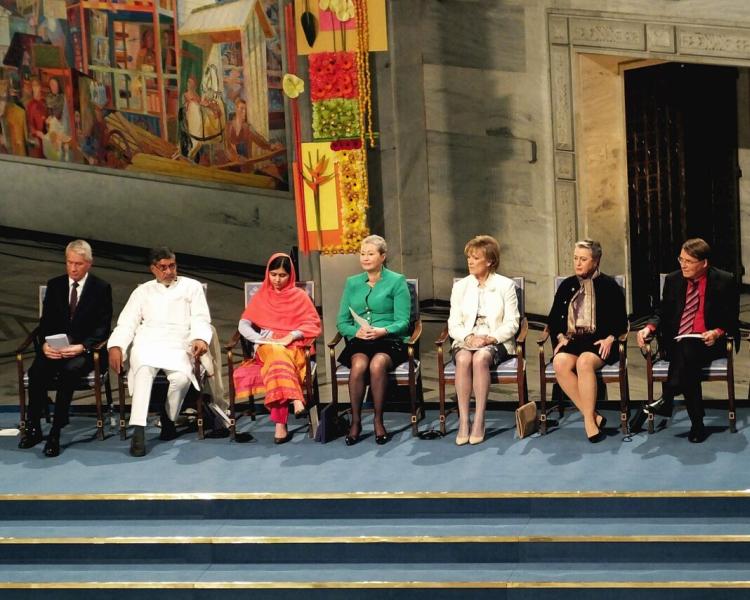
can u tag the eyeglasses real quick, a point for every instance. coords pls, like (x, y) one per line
(687, 261)
(165, 268)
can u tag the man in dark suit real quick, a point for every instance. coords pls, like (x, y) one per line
(702, 302)
(79, 305)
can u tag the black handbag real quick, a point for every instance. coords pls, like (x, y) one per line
(330, 425)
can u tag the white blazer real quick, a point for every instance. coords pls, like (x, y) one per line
(501, 304)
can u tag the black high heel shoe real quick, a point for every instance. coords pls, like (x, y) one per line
(382, 439)
(597, 437)
(603, 423)
(350, 440)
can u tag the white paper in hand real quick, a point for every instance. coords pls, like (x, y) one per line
(359, 320)
(58, 341)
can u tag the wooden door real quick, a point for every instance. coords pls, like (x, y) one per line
(681, 124)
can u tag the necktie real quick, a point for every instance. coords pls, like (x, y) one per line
(73, 298)
(692, 301)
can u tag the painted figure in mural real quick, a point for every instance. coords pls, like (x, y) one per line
(204, 116)
(36, 117)
(587, 316)
(168, 54)
(146, 54)
(701, 300)
(241, 138)
(284, 313)
(12, 121)
(381, 298)
(78, 304)
(57, 105)
(56, 140)
(483, 322)
(168, 324)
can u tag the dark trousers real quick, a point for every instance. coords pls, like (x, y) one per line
(686, 359)
(42, 374)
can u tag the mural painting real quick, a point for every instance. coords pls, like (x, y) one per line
(182, 88)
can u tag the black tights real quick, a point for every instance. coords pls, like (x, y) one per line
(376, 370)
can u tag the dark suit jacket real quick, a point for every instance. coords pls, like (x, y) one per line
(611, 317)
(92, 320)
(721, 310)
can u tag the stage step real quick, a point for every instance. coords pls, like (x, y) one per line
(393, 546)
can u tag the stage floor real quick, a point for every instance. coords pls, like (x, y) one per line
(561, 461)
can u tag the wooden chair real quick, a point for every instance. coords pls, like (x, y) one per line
(161, 381)
(617, 373)
(309, 385)
(408, 373)
(95, 381)
(721, 369)
(511, 370)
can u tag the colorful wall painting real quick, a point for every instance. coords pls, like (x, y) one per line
(182, 88)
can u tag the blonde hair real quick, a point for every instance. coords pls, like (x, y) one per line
(488, 246)
(594, 246)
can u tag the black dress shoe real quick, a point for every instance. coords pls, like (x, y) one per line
(52, 447)
(381, 439)
(660, 407)
(282, 440)
(350, 439)
(697, 434)
(603, 423)
(32, 435)
(138, 443)
(168, 430)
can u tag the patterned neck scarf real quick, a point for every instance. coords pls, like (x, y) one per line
(582, 307)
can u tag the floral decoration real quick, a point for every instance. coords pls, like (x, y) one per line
(346, 145)
(292, 85)
(336, 118)
(333, 75)
(354, 204)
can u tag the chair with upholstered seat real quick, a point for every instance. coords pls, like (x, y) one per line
(721, 369)
(309, 385)
(96, 380)
(617, 373)
(510, 371)
(408, 374)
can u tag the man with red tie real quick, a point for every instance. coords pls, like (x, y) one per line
(701, 303)
(77, 304)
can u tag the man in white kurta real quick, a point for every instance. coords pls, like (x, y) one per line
(168, 324)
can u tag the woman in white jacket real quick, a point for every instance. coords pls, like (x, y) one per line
(483, 322)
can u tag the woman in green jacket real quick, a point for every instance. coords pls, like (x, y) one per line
(374, 319)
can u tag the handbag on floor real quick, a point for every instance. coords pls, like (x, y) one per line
(526, 421)
(330, 425)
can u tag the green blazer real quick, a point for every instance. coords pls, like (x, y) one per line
(387, 304)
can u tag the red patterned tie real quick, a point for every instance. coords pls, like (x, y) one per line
(691, 308)
(73, 298)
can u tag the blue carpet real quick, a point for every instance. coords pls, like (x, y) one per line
(563, 460)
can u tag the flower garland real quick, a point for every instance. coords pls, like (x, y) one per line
(354, 202)
(335, 118)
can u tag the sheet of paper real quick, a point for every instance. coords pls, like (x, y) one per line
(357, 319)
(267, 341)
(689, 335)
(59, 340)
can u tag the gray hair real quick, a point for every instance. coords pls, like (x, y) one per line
(81, 247)
(376, 241)
(595, 247)
(160, 253)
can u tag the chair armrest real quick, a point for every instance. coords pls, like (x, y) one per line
(28, 341)
(443, 337)
(543, 338)
(523, 331)
(233, 341)
(416, 334)
(337, 338)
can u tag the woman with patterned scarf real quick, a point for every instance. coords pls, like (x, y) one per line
(587, 316)
(281, 321)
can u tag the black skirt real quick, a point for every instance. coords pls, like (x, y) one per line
(394, 348)
(585, 343)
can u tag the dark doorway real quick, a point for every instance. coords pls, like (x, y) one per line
(682, 169)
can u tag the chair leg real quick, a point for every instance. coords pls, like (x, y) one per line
(732, 410)
(121, 399)
(543, 403)
(624, 404)
(199, 420)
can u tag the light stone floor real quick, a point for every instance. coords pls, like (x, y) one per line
(27, 263)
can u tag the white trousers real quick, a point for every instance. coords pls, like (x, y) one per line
(179, 383)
